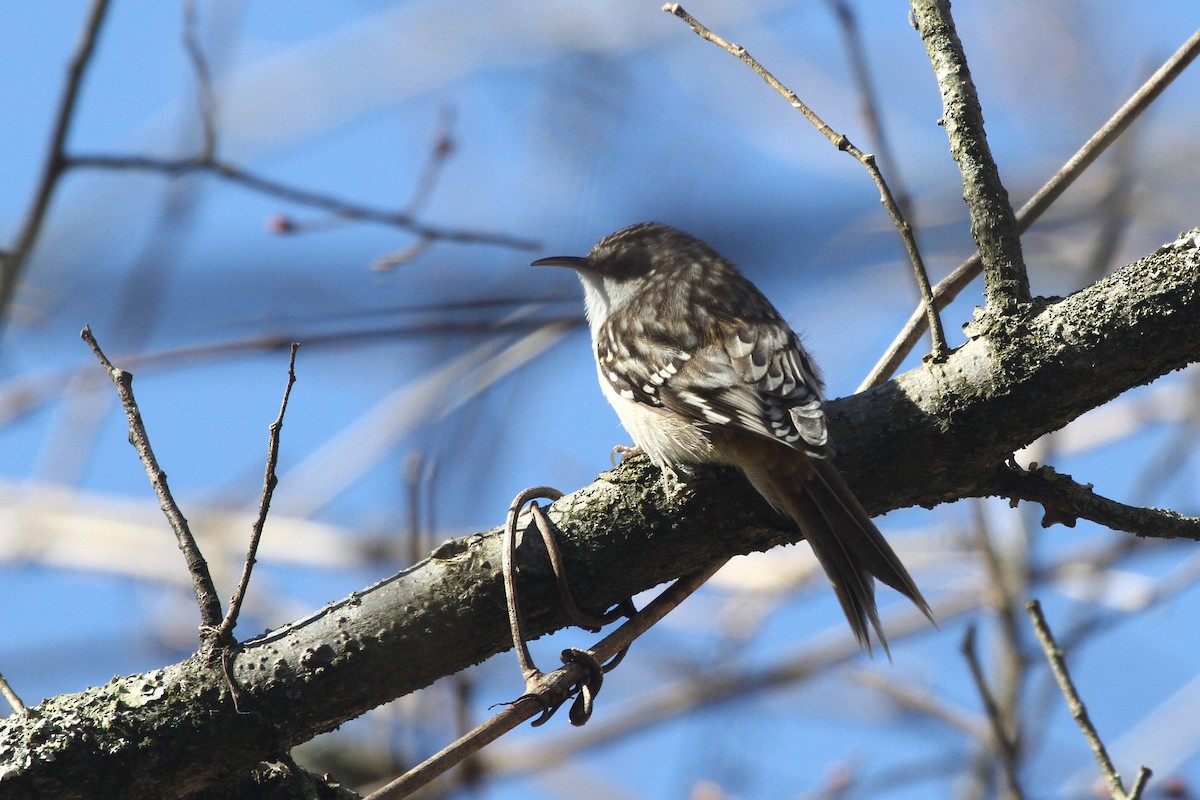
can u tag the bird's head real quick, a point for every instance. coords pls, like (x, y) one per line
(624, 264)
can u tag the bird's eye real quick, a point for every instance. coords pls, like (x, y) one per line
(631, 262)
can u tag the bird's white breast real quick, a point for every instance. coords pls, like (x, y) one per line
(664, 436)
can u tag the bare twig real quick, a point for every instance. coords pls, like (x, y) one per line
(58, 161)
(402, 256)
(922, 701)
(582, 618)
(336, 206)
(205, 97)
(993, 225)
(1139, 783)
(1110, 131)
(1001, 577)
(1006, 748)
(1008, 579)
(13, 699)
(225, 631)
(443, 148)
(429, 397)
(1065, 500)
(713, 686)
(414, 473)
(1079, 711)
(561, 679)
(202, 583)
(857, 54)
(509, 569)
(1091, 618)
(535, 681)
(842, 143)
(22, 395)
(1114, 207)
(13, 261)
(949, 287)
(139, 309)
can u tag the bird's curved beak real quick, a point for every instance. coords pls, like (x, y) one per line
(574, 262)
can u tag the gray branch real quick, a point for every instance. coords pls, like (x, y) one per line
(935, 434)
(1065, 501)
(993, 223)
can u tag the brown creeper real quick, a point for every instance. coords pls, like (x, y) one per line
(701, 368)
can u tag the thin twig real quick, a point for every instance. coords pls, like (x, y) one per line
(937, 337)
(1065, 500)
(562, 679)
(949, 287)
(993, 225)
(857, 54)
(1008, 578)
(581, 618)
(202, 583)
(336, 206)
(1114, 208)
(13, 261)
(443, 148)
(12, 697)
(508, 567)
(535, 680)
(713, 686)
(1000, 578)
(206, 98)
(402, 256)
(413, 473)
(1079, 711)
(1139, 783)
(139, 308)
(58, 162)
(922, 701)
(716, 685)
(1005, 747)
(23, 395)
(225, 631)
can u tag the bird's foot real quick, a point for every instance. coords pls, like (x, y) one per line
(623, 451)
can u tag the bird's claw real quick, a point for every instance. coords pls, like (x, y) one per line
(623, 451)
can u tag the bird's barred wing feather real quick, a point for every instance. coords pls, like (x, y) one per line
(754, 377)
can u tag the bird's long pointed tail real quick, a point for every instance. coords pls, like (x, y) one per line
(849, 548)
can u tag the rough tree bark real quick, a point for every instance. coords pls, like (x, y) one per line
(937, 433)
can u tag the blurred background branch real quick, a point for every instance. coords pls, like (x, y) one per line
(431, 393)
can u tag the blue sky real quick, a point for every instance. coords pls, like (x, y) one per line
(569, 121)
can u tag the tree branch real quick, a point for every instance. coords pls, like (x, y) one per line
(1058, 666)
(842, 143)
(1065, 500)
(336, 206)
(993, 224)
(948, 288)
(224, 633)
(202, 582)
(933, 435)
(1002, 738)
(13, 262)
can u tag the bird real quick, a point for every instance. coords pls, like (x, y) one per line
(701, 368)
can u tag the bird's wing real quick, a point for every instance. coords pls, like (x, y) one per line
(752, 376)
